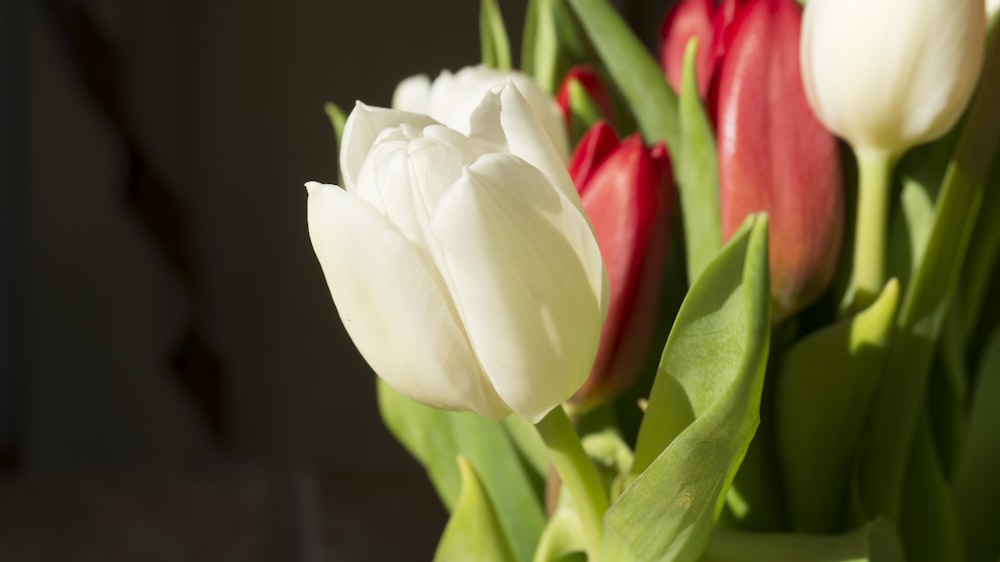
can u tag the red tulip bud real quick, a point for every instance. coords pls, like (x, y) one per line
(706, 20)
(628, 192)
(775, 156)
(584, 99)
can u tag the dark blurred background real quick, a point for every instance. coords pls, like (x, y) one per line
(175, 384)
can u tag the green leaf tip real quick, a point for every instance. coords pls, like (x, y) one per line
(473, 531)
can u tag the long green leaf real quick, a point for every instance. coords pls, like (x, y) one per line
(633, 70)
(703, 410)
(493, 40)
(474, 531)
(825, 385)
(553, 42)
(697, 166)
(436, 438)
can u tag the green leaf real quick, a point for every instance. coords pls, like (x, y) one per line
(552, 43)
(474, 531)
(901, 393)
(633, 69)
(825, 385)
(435, 438)
(337, 118)
(493, 36)
(977, 488)
(929, 522)
(703, 410)
(697, 173)
(874, 542)
(563, 538)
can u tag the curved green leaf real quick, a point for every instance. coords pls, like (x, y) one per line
(874, 542)
(435, 438)
(825, 385)
(703, 410)
(474, 531)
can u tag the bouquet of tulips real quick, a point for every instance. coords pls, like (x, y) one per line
(729, 301)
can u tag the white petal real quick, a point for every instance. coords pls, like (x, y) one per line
(544, 107)
(407, 172)
(453, 98)
(363, 126)
(885, 74)
(505, 113)
(394, 306)
(528, 279)
(413, 94)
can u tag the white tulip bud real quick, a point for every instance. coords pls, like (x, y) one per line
(889, 74)
(462, 266)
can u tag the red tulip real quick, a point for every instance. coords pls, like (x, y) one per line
(775, 156)
(708, 21)
(627, 191)
(586, 79)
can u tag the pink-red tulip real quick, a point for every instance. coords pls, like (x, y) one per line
(775, 156)
(628, 192)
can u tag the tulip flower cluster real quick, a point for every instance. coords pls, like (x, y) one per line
(507, 250)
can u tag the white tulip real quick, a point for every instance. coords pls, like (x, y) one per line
(452, 98)
(462, 266)
(889, 74)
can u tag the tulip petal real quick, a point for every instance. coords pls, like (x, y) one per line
(506, 114)
(505, 231)
(413, 94)
(594, 148)
(390, 298)
(362, 128)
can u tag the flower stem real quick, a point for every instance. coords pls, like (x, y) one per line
(870, 230)
(578, 473)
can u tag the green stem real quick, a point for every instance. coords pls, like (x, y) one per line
(578, 473)
(870, 230)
